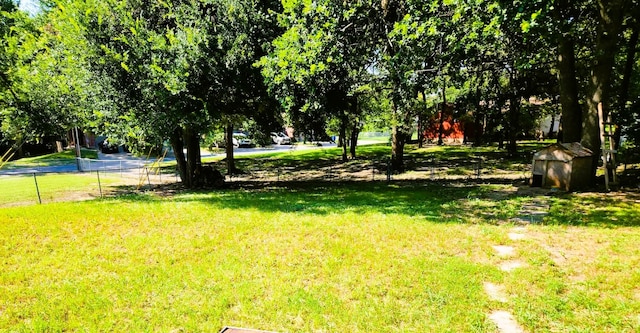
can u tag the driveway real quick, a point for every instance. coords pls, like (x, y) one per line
(126, 161)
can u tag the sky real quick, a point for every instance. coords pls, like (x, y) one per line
(30, 6)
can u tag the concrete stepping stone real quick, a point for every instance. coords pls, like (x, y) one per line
(504, 250)
(495, 292)
(506, 322)
(509, 266)
(532, 212)
(525, 218)
(516, 236)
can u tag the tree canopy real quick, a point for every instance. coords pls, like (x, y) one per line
(149, 72)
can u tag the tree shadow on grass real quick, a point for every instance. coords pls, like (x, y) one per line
(469, 201)
(325, 198)
(616, 209)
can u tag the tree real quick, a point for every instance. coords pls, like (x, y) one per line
(177, 66)
(607, 38)
(318, 64)
(598, 26)
(45, 77)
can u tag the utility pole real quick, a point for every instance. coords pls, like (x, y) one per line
(78, 153)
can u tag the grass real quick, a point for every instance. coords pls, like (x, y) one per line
(19, 190)
(62, 158)
(410, 256)
(312, 257)
(420, 163)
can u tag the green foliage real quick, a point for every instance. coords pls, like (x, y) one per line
(317, 66)
(174, 69)
(48, 86)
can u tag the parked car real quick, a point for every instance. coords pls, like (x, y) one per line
(241, 140)
(280, 138)
(106, 147)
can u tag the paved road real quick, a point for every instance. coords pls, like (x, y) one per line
(124, 161)
(270, 149)
(39, 169)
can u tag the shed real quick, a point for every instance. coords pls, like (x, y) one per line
(566, 166)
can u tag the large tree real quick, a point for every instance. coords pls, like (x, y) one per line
(177, 67)
(47, 85)
(319, 63)
(592, 30)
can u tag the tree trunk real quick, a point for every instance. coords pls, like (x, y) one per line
(178, 150)
(442, 110)
(626, 81)
(514, 112)
(420, 134)
(553, 123)
(343, 136)
(194, 162)
(231, 165)
(599, 87)
(514, 124)
(355, 128)
(355, 131)
(421, 120)
(397, 149)
(478, 120)
(568, 84)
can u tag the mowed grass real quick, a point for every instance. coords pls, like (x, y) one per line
(62, 158)
(320, 257)
(20, 190)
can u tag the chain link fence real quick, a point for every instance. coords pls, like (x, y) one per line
(430, 168)
(52, 182)
(102, 178)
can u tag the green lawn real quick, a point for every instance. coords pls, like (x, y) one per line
(63, 158)
(319, 257)
(20, 190)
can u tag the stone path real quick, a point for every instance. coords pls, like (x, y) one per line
(531, 213)
(505, 322)
(496, 292)
(509, 266)
(504, 250)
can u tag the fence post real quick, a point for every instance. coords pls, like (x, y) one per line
(37, 188)
(99, 183)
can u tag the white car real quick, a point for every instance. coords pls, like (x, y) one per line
(241, 140)
(280, 138)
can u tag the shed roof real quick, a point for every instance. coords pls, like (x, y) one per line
(563, 152)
